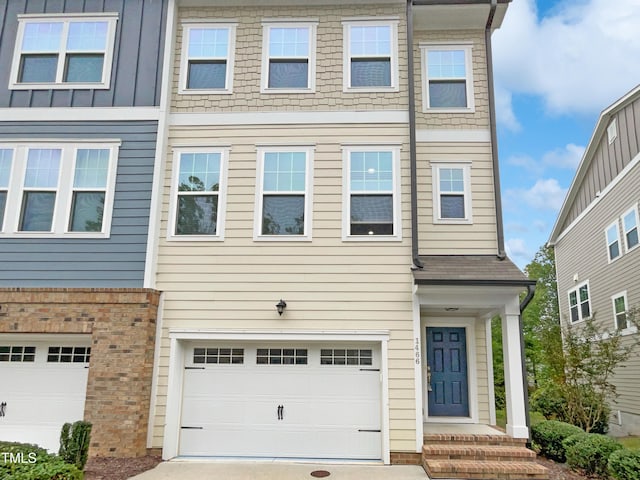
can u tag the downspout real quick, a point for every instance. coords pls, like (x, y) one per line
(531, 291)
(415, 253)
(494, 134)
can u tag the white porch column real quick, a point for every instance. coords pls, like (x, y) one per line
(514, 385)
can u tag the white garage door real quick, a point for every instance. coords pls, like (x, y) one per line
(43, 386)
(289, 401)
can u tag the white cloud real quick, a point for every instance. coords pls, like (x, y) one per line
(546, 194)
(527, 163)
(567, 157)
(504, 109)
(579, 58)
(517, 250)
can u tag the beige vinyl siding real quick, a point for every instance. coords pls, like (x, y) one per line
(583, 252)
(457, 239)
(470, 120)
(609, 159)
(329, 93)
(328, 284)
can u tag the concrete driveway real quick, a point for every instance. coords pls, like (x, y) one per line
(190, 470)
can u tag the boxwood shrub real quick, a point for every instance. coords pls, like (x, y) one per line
(624, 464)
(590, 453)
(549, 435)
(22, 461)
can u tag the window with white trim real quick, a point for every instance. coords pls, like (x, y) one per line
(447, 78)
(613, 241)
(620, 310)
(59, 189)
(283, 200)
(630, 227)
(371, 193)
(579, 303)
(6, 156)
(452, 192)
(288, 63)
(207, 58)
(612, 130)
(198, 194)
(71, 51)
(370, 55)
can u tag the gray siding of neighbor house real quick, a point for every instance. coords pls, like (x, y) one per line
(583, 252)
(609, 159)
(137, 56)
(117, 261)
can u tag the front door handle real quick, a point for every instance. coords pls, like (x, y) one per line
(429, 379)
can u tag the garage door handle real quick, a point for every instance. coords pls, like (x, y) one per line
(280, 412)
(369, 431)
(3, 405)
(192, 428)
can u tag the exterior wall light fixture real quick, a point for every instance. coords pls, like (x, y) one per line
(280, 306)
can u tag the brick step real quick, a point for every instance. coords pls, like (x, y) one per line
(481, 470)
(470, 439)
(504, 453)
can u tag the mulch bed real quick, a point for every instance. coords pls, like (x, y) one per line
(103, 468)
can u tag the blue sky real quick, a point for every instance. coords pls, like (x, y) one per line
(557, 65)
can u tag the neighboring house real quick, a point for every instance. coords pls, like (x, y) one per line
(330, 240)
(596, 243)
(80, 85)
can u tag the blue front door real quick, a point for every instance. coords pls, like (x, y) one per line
(448, 388)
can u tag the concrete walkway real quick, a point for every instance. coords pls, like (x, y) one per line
(191, 470)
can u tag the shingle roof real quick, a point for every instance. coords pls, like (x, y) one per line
(469, 270)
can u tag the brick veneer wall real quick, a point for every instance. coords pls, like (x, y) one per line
(122, 324)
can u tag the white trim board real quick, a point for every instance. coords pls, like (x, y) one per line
(79, 114)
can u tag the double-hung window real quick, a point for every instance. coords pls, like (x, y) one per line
(620, 310)
(371, 193)
(579, 303)
(288, 63)
(452, 192)
(6, 157)
(630, 227)
(283, 199)
(198, 194)
(64, 51)
(613, 241)
(58, 189)
(447, 74)
(370, 55)
(207, 58)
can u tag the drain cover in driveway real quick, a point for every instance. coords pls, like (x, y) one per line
(320, 473)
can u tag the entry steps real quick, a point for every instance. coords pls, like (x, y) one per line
(479, 457)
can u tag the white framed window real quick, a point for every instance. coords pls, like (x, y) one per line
(207, 58)
(452, 192)
(630, 227)
(447, 78)
(371, 193)
(61, 189)
(612, 234)
(284, 193)
(370, 55)
(579, 303)
(612, 130)
(63, 51)
(6, 157)
(198, 194)
(620, 310)
(289, 57)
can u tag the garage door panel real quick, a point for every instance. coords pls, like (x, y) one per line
(329, 411)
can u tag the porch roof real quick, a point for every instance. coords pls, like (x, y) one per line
(469, 270)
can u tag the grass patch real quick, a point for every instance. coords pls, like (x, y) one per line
(632, 443)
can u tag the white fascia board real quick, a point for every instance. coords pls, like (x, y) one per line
(289, 118)
(79, 114)
(298, 335)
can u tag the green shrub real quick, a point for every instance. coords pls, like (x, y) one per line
(30, 462)
(550, 434)
(624, 464)
(590, 453)
(74, 443)
(550, 402)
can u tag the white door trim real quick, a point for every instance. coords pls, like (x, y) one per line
(179, 339)
(469, 324)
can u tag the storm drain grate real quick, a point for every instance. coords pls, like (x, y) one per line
(320, 473)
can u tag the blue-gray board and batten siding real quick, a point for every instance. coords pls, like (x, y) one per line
(137, 57)
(118, 261)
